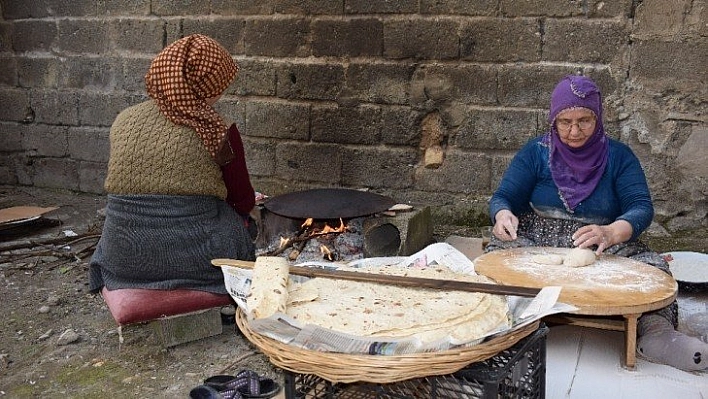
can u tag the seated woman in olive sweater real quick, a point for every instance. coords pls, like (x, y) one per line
(178, 188)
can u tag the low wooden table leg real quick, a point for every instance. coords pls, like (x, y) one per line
(630, 340)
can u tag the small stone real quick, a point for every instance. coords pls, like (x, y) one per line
(45, 335)
(401, 207)
(228, 310)
(228, 315)
(44, 309)
(53, 300)
(67, 337)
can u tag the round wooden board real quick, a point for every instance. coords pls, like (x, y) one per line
(613, 285)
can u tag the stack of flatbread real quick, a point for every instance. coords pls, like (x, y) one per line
(379, 310)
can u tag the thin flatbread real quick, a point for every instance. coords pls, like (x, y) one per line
(379, 310)
(269, 287)
(298, 293)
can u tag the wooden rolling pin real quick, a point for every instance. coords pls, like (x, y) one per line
(401, 281)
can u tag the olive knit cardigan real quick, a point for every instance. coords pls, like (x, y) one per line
(149, 154)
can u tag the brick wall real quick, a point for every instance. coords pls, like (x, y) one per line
(352, 92)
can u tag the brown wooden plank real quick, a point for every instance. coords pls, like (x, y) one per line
(401, 281)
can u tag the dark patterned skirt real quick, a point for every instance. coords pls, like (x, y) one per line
(537, 231)
(167, 242)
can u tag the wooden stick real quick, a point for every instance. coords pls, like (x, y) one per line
(11, 246)
(402, 281)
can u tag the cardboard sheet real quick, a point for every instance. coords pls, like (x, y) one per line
(21, 214)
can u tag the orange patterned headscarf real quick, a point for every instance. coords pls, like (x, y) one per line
(181, 79)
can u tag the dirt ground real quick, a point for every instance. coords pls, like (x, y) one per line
(59, 340)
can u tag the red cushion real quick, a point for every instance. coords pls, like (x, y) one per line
(130, 305)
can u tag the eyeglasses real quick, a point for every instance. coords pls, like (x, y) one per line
(583, 124)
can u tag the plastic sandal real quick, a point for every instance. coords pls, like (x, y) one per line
(247, 384)
(205, 392)
(219, 381)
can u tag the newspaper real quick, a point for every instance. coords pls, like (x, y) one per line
(283, 328)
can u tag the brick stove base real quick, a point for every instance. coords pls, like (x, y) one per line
(399, 235)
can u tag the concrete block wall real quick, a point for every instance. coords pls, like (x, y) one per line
(350, 93)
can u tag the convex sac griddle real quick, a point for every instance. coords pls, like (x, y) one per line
(328, 203)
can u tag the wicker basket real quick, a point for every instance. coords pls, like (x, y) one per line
(348, 368)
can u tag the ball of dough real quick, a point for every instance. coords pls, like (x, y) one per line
(579, 257)
(548, 259)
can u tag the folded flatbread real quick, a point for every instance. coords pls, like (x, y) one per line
(269, 287)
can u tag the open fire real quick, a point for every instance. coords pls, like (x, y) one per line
(319, 240)
(339, 225)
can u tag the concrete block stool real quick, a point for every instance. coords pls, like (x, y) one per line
(175, 316)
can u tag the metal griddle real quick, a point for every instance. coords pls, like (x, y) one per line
(328, 203)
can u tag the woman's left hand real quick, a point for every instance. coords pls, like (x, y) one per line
(603, 236)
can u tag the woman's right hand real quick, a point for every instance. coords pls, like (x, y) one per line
(505, 225)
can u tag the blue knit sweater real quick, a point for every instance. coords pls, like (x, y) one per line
(621, 194)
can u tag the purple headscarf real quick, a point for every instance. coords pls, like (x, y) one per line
(576, 171)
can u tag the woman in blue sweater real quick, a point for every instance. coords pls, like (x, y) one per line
(576, 187)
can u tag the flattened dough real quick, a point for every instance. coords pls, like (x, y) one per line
(579, 257)
(548, 259)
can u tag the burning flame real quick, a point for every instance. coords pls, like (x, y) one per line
(307, 233)
(326, 228)
(284, 242)
(326, 253)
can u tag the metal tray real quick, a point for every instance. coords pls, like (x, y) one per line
(690, 269)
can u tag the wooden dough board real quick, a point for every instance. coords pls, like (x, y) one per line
(613, 285)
